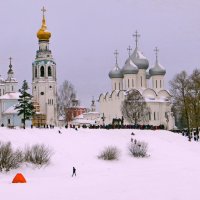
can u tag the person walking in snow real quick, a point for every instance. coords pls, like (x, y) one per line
(74, 171)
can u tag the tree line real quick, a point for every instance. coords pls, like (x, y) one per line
(185, 90)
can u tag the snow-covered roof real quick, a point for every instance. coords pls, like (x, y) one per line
(11, 110)
(11, 95)
(83, 121)
(79, 117)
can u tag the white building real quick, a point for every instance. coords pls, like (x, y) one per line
(91, 117)
(9, 97)
(44, 85)
(135, 75)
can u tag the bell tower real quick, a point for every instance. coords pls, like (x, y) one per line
(44, 86)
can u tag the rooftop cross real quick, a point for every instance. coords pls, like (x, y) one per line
(43, 10)
(116, 55)
(129, 50)
(10, 60)
(136, 35)
(156, 50)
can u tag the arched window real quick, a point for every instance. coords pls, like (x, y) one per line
(49, 71)
(42, 71)
(35, 72)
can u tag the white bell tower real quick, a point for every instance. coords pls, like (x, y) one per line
(44, 86)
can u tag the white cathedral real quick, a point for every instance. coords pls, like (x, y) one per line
(136, 75)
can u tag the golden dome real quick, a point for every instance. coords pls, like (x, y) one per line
(43, 33)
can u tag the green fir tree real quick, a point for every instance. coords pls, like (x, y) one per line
(25, 106)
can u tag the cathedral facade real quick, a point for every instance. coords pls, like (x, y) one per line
(150, 83)
(44, 85)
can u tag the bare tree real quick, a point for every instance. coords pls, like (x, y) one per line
(66, 94)
(134, 108)
(180, 91)
(194, 99)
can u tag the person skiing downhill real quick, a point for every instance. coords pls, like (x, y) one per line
(74, 171)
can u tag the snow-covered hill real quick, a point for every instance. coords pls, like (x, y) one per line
(172, 172)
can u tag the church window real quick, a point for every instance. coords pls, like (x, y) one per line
(0, 92)
(8, 121)
(149, 115)
(35, 72)
(50, 86)
(115, 86)
(141, 80)
(12, 88)
(128, 83)
(156, 84)
(154, 114)
(3, 91)
(119, 86)
(49, 71)
(42, 71)
(52, 101)
(42, 93)
(132, 83)
(35, 87)
(160, 84)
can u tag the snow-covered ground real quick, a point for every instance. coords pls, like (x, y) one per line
(172, 172)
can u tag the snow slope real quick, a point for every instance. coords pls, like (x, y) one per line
(171, 172)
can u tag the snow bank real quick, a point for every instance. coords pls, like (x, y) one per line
(170, 173)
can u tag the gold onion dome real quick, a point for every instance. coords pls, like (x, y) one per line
(43, 33)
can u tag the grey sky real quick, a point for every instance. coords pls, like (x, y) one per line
(86, 33)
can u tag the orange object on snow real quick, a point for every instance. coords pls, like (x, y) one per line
(19, 178)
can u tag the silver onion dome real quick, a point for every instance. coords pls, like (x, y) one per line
(139, 59)
(157, 69)
(129, 67)
(116, 72)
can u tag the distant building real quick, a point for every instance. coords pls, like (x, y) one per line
(9, 99)
(135, 75)
(74, 111)
(87, 118)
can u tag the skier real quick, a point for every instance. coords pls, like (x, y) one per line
(74, 171)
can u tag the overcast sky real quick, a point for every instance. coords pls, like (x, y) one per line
(85, 34)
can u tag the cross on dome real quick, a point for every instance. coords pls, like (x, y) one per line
(116, 55)
(10, 59)
(156, 51)
(129, 49)
(43, 10)
(136, 35)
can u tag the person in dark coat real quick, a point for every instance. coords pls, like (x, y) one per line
(74, 171)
